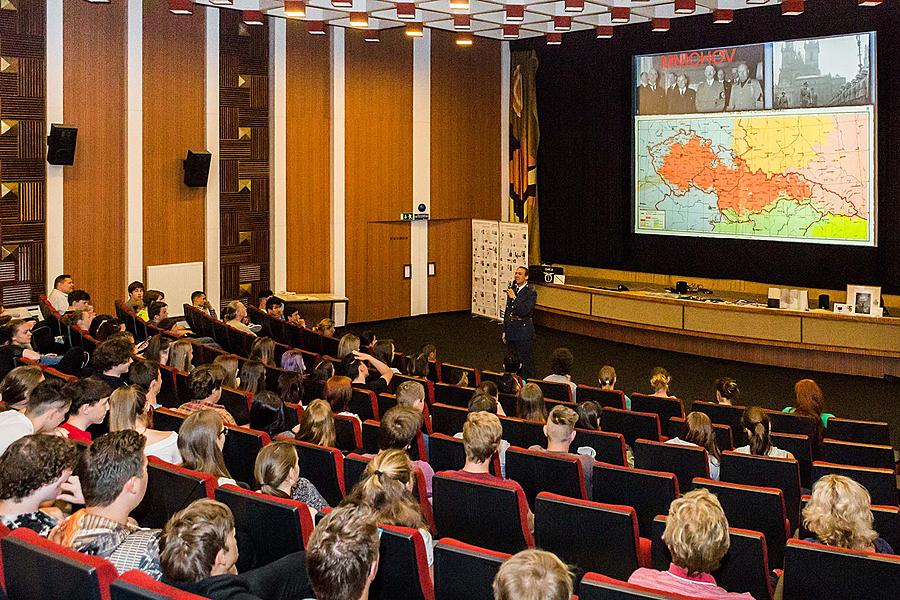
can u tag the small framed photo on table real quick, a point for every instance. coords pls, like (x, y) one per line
(864, 300)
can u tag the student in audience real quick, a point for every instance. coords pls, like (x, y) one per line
(129, 408)
(509, 384)
(274, 307)
(262, 297)
(231, 364)
(698, 431)
(418, 366)
(660, 381)
(236, 317)
(561, 365)
(482, 436)
(560, 432)
(158, 315)
(277, 470)
(697, 537)
(135, 299)
(383, 350)
(80, 300)
(78, 319)
(19, 334)
(200, 442)
(317, 424)
(88, 405)
(253, 376)
(205, 386)
(386, 488)
(342, 554)
(150, 296)
(512, 364)
(267, 413)
(34, 470)
(158, 349)
(16, 387)
(606, 378)
(147, 375)
(200, 302)
(530, 403)
(533, 575)
(811, 403)
(727, 391)
(348, 343)
(412, 394)
(325, 327)
(756, 425)
(263, 350)
(292, 360)
(181, 356)
(113, 477)
(321, 372)
(589, 415)
(290, 387)
(356, 367)
(111, 361)
(337, 392)
(198, 554)
(839, 513)
(58, 297)
(43, 412)
(367, 341)
(398, 430)
(104, 326)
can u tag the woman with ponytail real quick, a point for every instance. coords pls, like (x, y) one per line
(277, 470)
(756, 424)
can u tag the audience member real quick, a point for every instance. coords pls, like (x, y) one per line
(111, 361)
(509, 384)
(342, 554)
(560, 432)
(147, 375)
(482, 436)
(34, 470)
(398, 430)
(103, 326)
(135, 299)
(267, 413)
(198, 554)
(129, 408)
(292, 360)
(367, 341)
(181, 356)
(606, 377)
(325, 328)
(411, 393)
(277, 471)
(200, 442)
(384, 350)
(698, 431)
(253, 376)
(262, 297)
(512, 364)
(321, 373)
(79, 319)
(238, 316)
(19, 334)
(561, 367)
(80, 300)
(16, 386)
(158, 349)
(88, 405)
(290, 387)
(756, 425)
(727, 391)
(205, 387)
(356, 367)
(43, 412)
(58, 297)
(263, 350)
(200, 302)
(839, 513)
(810, 402)
(337, 392)
(158, 315)
(533, 575)
(317, 424)
(530, 404)
(231, 364)
(660, 381)
(150, 296)
(697, 537)
(113, 475)
(348, 344)
(589, 415)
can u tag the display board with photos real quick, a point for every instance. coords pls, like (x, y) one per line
(498, 249)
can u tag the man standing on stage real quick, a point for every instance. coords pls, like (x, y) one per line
(518, 328)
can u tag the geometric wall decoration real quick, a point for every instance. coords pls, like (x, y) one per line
(244, 157)
(23, 114)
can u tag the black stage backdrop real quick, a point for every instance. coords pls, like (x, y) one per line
(584, 94)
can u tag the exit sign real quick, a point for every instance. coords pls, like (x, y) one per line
(408, 216)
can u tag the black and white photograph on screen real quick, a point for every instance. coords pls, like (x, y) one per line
(730, 78)
(821, 72)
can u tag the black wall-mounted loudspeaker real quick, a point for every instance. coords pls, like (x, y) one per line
(61, 144)
(824, 301)
(196, 168)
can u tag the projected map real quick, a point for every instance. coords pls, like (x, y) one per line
(789, 175)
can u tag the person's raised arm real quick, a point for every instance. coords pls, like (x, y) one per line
(383, 370)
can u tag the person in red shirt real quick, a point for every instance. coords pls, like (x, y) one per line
(90, 403)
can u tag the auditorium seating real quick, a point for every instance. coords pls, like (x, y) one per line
(725, 414)
(166, 419)
(605, 398)
(887, 524)
(463, 571)
(237, 402)
(364, 404)
(324, 467)
(744, 568)
(242, 444)
(859, 455)
(354, 466)
(783, 422)
(447, 453)
(448, 419)
(537, 471)
(648, 492)
(554, 390)
(522, 433)
(137, 585)
(860, 432)
(592, 536)
(686, 462)
(600, 587)
(764, 471)
(801, 447)
(453, 374)
(369, 434)
(170, 488)
(488, 375)
(631, 424)
(817, 571)
(453, 395)
(463, 506)
(610, 447)
(881, 483)
(348, 433)
(666, 408)
(402, 566)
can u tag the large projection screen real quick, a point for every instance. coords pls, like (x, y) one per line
(771, 141)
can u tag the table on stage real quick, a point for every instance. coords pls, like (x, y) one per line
(315, 307)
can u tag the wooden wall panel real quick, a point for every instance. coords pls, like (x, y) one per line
(244, 156)
(23, 196)
(308, 160)
(94, 76)
(465, 160)
(174, 121)
(379, 172)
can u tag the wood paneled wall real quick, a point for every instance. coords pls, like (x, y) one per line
(23, 195)
(465, 161)
(173, 114)
(308, 115)
(379, 173)
(94, 75)
(244, 156)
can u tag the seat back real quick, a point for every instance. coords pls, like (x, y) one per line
(453, 395)
(137, 585)
(725, 414)
(609, 446)
(605, 398)
(448, 419)
(324, 467)
(631, 424)
(347, 433)
(354, 466)
(861, 432)
(447, 453)
(386, 402)
(34, 565)
(783, 422)
(611, 547)
(453, 374)
(370, 436)
(508, 402)
(237, 402)
(554, 389)
(686, 462)
(489, 375)
(872, 456)
(666, 408)
(170, 488)
(522, 433)
(649, 492)
(723, 433)
(402, 566)
(600, 587)
(465, 572)
(538, 471)
(463, 508)
(887, 524)
(881, 483)
(817, 571)
(168, 392)
(764, 471)
(269, 528)
(364, 403)
(744, 568)
(801, 447)
(242, 444)
(757, 508)
(166, 419)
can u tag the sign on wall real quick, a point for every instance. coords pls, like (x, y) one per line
(498, 248)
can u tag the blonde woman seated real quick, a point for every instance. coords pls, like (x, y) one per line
(277, 470)
(660, 380)
(697, 537)
(839, 513)
(129, 409)
(200, 442)
(698, 431)
(386, 489)
(533, 575)
(317, 425)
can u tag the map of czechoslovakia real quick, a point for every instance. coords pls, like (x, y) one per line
(789, 175)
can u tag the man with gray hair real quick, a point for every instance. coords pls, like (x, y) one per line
(746, 93)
